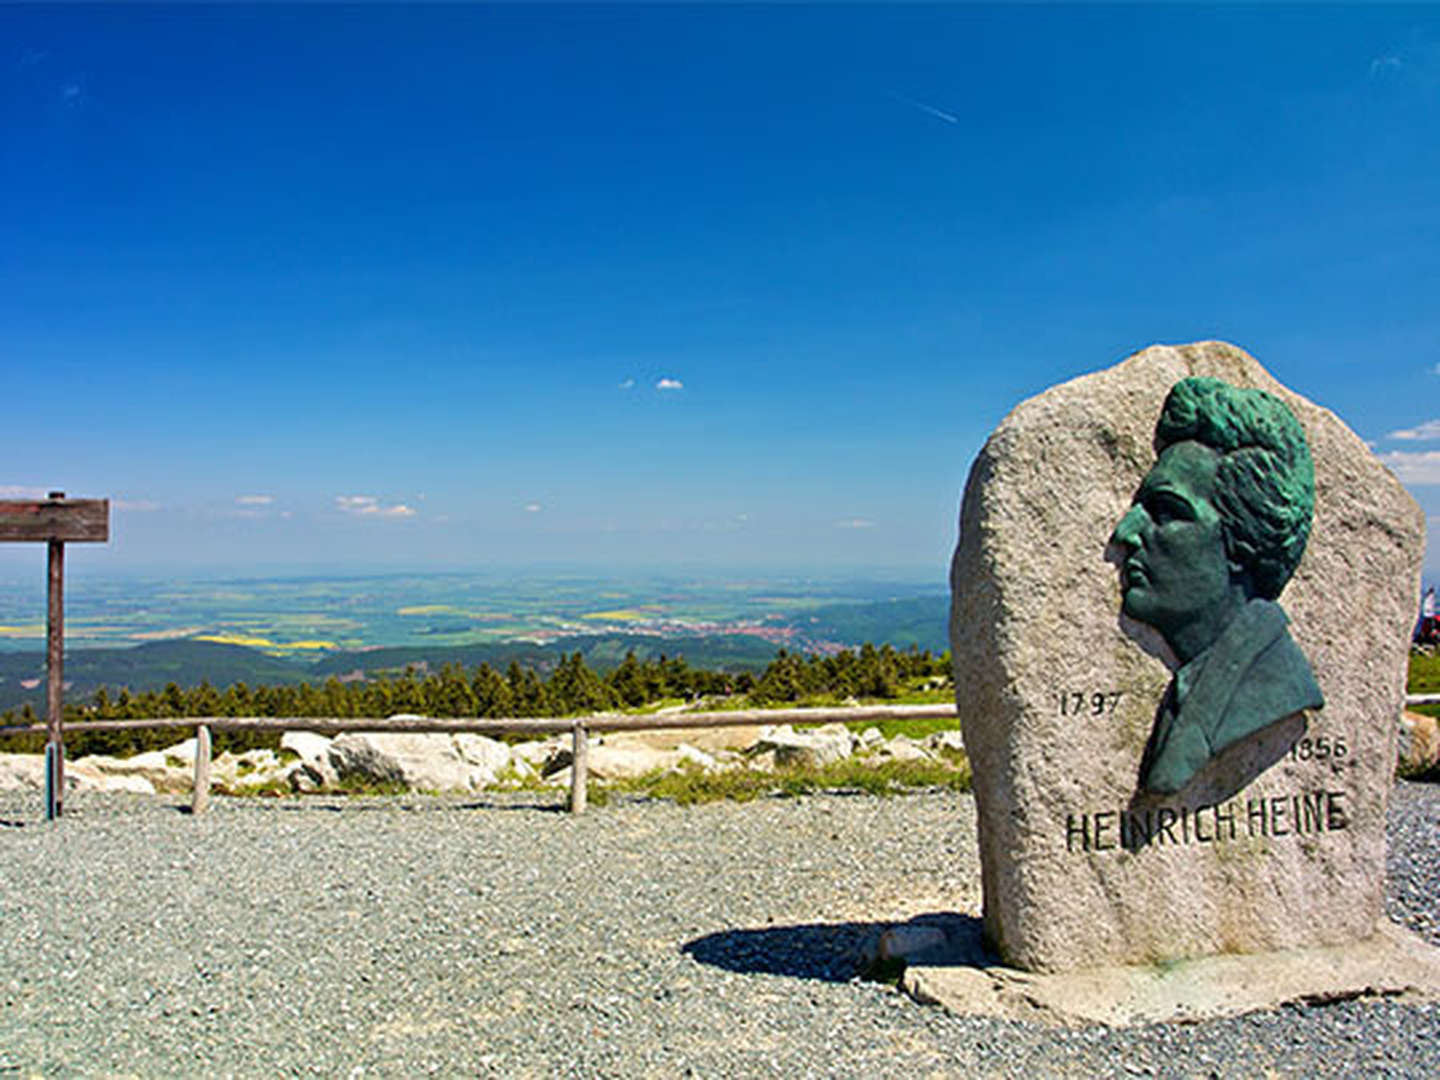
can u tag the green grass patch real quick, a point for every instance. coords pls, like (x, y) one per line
(915, 729)
(1424, 674)
(742, 785)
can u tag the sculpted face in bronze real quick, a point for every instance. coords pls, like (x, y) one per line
(1216, 529)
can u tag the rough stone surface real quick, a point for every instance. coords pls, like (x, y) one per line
(314, 751)
(26, 772)
(628, 762)
(946, 742)
(538, 754)
(426, 762)
(1036, 615)
(902, 748)
(80, 777)
(154, 767)
(487, 757)
(810, 748)
(707, 739)
(1393, 962)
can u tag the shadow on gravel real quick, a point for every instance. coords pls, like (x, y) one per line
(837, 952)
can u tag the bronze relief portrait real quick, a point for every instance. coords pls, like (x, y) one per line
(1214, 533)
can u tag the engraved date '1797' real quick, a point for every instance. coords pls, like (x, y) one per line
(1095, 703)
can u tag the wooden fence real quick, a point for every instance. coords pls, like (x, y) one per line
(580, 728)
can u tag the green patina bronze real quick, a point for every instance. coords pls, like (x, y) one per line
(1216, 529)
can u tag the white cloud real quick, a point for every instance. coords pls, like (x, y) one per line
(855, 523)
(669, 384)
(135, 506)
(1426, 432)
(254, 500)
(1435, 370)
(1414, 467)
(628, 384)
(1382, 64)
(533, 508)
(370, 506)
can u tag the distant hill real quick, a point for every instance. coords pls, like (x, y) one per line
(917, 621)
(723, 652)
(145, 667)
(921, 621)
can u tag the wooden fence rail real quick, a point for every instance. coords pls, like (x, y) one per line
(579, 727)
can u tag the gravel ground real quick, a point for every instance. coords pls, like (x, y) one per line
(397, 937)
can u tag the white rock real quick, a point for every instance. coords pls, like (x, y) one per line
(183, 752)
(946, 742)
(522, 769)
(153, 767)
(247, 770)
(303, 778)
(695, 758)
(487, 758)
(537, 752)
(761, 761)
(629, 762)
(79, 776)
(810, 748)
(1418, 747)
(1036, 629)
(314, 752)
(26, 772)
(22, 772)
(423, 762)
(902, 748)
(711, 740)
(869, 738)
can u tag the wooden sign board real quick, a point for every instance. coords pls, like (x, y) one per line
(66, 520)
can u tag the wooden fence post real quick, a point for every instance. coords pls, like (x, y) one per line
(200, 798)
(579, 767)
(55, 678)
(55, 519)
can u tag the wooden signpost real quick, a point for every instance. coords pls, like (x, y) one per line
(55, 520)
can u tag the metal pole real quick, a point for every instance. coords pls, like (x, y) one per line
(55, 680)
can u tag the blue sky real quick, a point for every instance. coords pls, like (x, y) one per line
(712, 285)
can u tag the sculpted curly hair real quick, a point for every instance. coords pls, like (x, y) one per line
(1265, 486)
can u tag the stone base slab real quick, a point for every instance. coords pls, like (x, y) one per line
(1393, 963)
